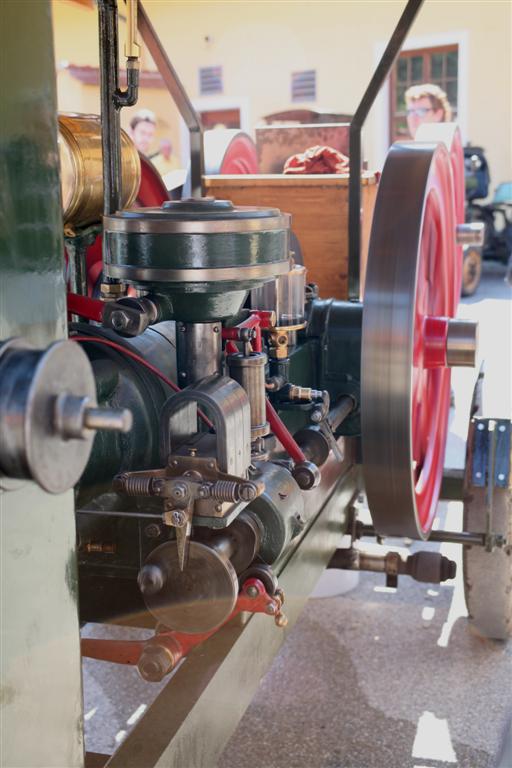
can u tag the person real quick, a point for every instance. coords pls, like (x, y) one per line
(426, 103)
(143, 129)
(165, 160)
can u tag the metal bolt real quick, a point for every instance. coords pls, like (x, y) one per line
(211, 465)
(155, 662)
(183, 375)
(182, 328)
(215, 328)
(150, 579)
(316, 416)
(192, 451)
(281, 620)
(270, 608)
(481, 427)
(178, 518)
(501, 427)
(501, 476)
(218, 507)
(119, 320)
(248, 492)
(279, 593)
(180, 491)
(252, 591)
(158, 486)
(152, 531)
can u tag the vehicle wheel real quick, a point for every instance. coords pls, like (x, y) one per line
(488, 575)
(471, 270)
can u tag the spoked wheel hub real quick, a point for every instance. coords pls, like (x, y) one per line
(410, 338)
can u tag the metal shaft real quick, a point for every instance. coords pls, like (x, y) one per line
(110, 123)
(461, 343)
(340, 411)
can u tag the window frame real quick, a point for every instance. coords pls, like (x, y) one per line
(426, 52)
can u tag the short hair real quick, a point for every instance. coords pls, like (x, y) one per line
(142, 116)
(436, 95)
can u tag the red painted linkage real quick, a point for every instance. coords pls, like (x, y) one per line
(90, 309)
(253, 599)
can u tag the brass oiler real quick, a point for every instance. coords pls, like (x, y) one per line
(81, 169)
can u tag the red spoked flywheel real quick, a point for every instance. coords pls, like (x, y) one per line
(409, 338)
(449, 134)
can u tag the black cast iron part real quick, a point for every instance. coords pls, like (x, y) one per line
(337, 325)
(354, 187)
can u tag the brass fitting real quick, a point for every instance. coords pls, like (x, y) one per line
(278, 344)
(112, 291)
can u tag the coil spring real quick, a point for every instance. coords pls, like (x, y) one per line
(134, 486)
(225, 490)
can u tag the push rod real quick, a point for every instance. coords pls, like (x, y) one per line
(449, 537)
(354, 185)
(110, 120)
(179, 96)
(340, 411)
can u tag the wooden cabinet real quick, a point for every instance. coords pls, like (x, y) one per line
(319, 208)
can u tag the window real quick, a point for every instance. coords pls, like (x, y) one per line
(304, 85)
(427, 65)
(210, 80)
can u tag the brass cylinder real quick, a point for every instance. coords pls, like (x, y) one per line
(81, 169)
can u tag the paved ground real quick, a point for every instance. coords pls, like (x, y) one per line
(380, 679)
(370, 678)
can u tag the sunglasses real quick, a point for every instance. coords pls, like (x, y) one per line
(419, 111)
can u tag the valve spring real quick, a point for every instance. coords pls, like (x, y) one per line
(226, 490)
(134, 486)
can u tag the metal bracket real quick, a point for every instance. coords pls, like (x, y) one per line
(491, 466)
(482, 449)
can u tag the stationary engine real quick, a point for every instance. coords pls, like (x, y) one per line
(244, 394)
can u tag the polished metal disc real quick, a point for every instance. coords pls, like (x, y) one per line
(197, 599)
(410, 274)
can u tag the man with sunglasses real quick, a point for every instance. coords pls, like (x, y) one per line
(426, 103)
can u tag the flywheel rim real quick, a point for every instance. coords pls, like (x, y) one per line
(405, 400)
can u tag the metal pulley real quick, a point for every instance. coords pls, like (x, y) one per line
(49, 414)
(410, 337)
(204, 254)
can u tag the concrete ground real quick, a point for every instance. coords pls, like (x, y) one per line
(371, 677)
(378, 678)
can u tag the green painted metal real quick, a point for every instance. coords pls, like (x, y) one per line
(41, 696)
(167, 262)
(186, 251)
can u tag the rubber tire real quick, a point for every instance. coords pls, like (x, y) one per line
(471, 282)
(488, 575)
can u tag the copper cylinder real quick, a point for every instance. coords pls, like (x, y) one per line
(81, 169)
